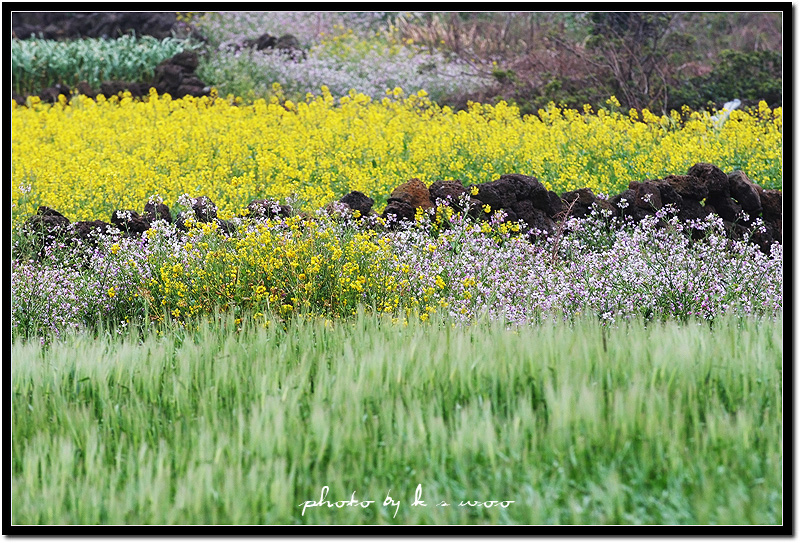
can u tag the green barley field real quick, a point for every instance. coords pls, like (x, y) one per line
(553, 424)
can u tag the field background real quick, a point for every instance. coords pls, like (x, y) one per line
(380, 98)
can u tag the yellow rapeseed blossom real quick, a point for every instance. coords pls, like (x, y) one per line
(268, 269)
(87, 158)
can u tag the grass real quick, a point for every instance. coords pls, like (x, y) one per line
(576, 424)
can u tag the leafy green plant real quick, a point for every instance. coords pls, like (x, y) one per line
(37, 64)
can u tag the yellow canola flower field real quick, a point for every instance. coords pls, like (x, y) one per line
(87, 158)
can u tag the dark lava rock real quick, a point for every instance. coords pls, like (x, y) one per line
(772, 204)
(533, 217)
(692, 210)
(204, 209)
(744, 191)
(58, 25)
(777, 230)
(629, 208)
(527, 187)
(49, 212)
(688, 187)
(606, 205)
(580, 201)
(449, 192)
(476, 210)
(287, 44)
(114, 88)
(509, 215)
(154, 212)
(185, 59)
(176, 76)
(169, 76)
(358, 201)
(772, 212)
(268, 209)
(735, 230)
(669, 195)
(725, 208)
(499, 194)
(50, 94)
(556, 204)
(716, 180)
(129, 221)
(91, 231)
(648, 195)
(226, 227)
(264, 41)
(399, 209)
(524, 210)
(46, 224)
(413, 192)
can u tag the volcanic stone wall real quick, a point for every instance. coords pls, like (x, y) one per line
(703, 190)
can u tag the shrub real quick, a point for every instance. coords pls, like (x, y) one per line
(749, 76)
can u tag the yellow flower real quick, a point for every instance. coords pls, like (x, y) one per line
(264, 148)
(112, 292)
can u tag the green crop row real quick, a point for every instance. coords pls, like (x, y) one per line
(37, 64)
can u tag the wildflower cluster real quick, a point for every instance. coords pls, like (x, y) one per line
(234, 27)
(445, 263)
(608, 268)
(343, 63)
(76, 286)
